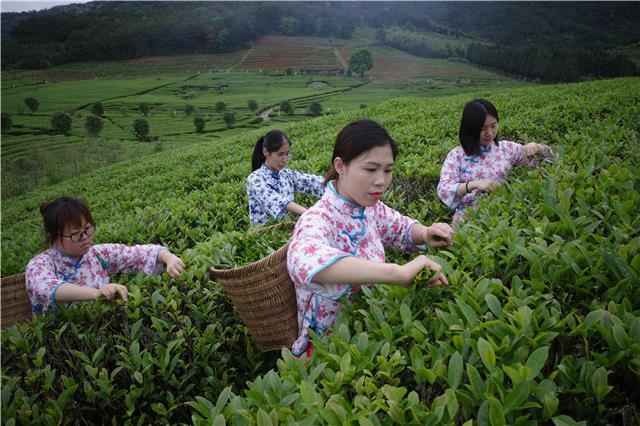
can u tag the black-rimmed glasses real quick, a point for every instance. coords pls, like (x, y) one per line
(77, 236)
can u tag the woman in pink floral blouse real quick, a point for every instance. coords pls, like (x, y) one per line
(74, 270)
(481, 163)
(338, 244)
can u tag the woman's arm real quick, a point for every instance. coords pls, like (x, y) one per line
(68, 292)
(295, 208)
(355, 270)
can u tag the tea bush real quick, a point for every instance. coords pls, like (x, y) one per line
(540, 323)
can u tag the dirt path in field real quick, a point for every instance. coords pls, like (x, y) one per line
(265, 114)
(344, 64)
(241, 60)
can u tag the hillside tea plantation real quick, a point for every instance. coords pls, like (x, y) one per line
(540, 323)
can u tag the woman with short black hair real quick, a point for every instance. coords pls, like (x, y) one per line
(72, 269)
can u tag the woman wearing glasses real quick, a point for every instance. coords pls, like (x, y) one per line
(74, 270)
(271, 187)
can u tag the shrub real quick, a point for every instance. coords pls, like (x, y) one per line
(252, 105)
(286, 107)
(188, 109)
(93, 125)
(97, 108)
(229, 118)
(61, 122)
(361, 61)
(6, 122)
(363, 106)
(315, 109)
(220, 106)
(141, 128)
(32, 104)
(289, 71)
(144, 108)
(199, 123)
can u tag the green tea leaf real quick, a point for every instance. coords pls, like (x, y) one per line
(454, 372)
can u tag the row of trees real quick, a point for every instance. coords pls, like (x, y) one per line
(551, 64)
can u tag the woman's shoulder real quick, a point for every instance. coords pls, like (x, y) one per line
(456, 152)
(43, 257)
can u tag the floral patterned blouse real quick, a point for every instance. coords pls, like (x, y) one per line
(494, 162)
(52, 268)
(331, 229)
(270, 192)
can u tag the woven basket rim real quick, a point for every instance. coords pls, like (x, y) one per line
(259, 264)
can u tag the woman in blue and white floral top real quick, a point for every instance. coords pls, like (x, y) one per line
(271, 187)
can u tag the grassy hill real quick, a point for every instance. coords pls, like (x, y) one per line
(32, 152)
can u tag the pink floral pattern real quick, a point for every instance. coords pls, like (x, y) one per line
(494, 162)
(332, 229)
(52, 268)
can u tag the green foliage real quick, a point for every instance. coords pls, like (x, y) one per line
(141, 128)
(144, 108)
(540, 323)
(199, 122)
(229, 118)
(97, 108)
(32, 103)
(286, 107)
(188, 109)
(61, 122)
(315, 109)
(252, 105)
(361, 61)
(93, 125)
(220, 106)
(6, 121)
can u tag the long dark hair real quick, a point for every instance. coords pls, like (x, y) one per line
(473, 117)
(356, 138)
(61, 212)
(273, 141)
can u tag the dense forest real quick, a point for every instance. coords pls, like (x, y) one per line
(575, 40)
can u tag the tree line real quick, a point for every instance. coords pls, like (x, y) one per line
(127, 30)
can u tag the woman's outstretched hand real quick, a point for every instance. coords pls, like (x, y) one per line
(110, 291)
(413, 268)
(438, 235)
(175, 265)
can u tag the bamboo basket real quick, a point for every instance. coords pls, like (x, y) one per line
(15, 303)
(264, 296)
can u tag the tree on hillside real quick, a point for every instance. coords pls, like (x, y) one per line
(229, 118)
(141, 128)
(315, 109)
(93, 125)
(6, 122)
(289, 26)
(32, 104)
(199, 122)
(144, 108)
(61, 121)
(381, 36)
(220, 106)
(286, 107)
(361, 61)
(252, 105)
(97, 108)
(188, 109)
